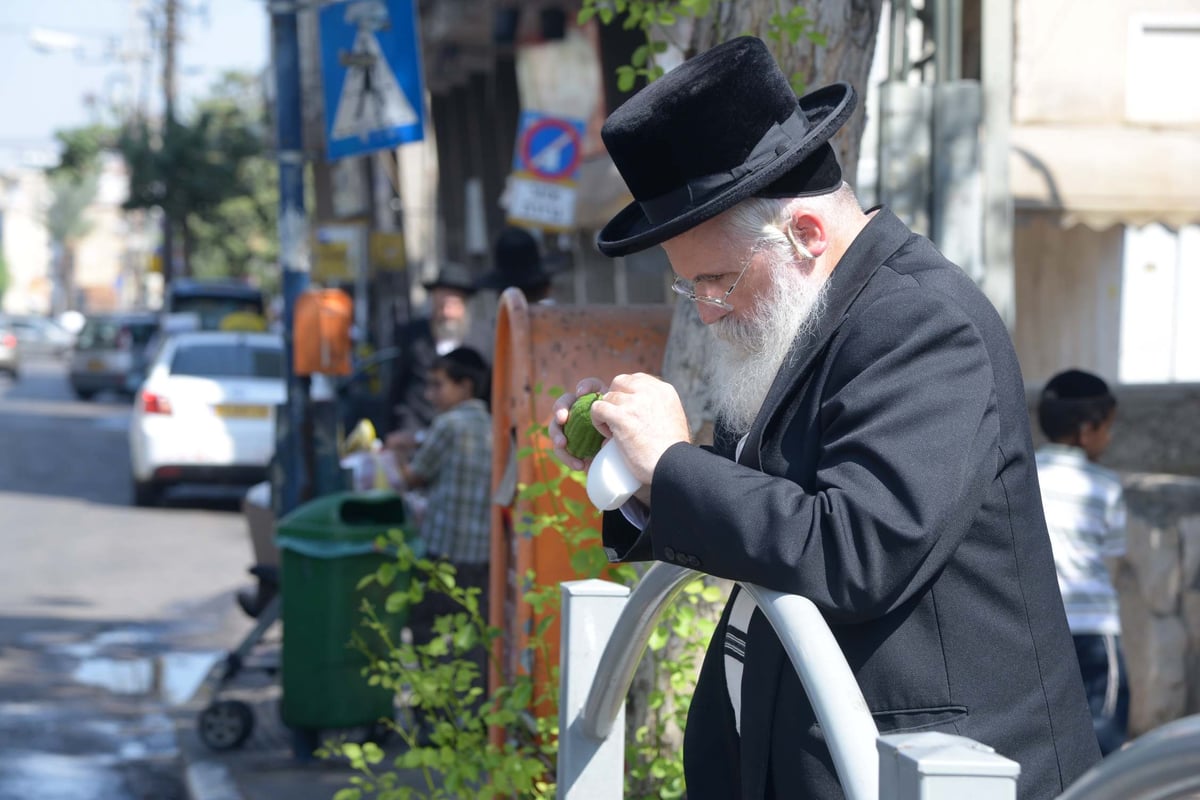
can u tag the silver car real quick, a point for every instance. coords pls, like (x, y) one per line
(110, 353)
(39, 336)
(10, 353)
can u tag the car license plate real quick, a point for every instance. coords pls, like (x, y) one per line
(95, 365)
(237, 411)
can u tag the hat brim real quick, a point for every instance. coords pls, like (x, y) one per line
(809, 167)
(458, 287)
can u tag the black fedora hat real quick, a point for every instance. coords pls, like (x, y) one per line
(518, 262)
(452, 275)
(717, 129)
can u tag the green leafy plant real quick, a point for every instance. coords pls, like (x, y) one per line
(441, 681)
(655, 18)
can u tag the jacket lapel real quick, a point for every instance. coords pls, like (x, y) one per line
(882, 237)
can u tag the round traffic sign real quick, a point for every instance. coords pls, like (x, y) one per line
(551, 148)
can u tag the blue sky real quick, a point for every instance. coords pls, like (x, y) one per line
(41, 92)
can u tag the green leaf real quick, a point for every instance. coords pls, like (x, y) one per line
(348, 794)
(585, 16)
(386, 573)
(396, 602)
(625, 79)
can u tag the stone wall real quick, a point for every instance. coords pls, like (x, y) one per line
(1159, 585)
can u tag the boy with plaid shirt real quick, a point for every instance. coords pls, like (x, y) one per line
(454, 466)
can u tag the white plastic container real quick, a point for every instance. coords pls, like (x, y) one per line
(610, 482)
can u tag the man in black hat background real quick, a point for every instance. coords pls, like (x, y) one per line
(518, 263)
(421, 340)
(872, 450)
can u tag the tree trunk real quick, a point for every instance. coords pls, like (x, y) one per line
(850, 28)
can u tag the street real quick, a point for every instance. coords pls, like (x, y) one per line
(109, 615)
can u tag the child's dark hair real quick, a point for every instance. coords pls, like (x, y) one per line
(466, 364)
(1072, 399)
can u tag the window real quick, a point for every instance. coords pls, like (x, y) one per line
(1164, 50)
(241, 360)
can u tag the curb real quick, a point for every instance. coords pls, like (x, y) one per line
(210, 780)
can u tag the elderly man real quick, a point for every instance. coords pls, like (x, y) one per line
(872, 450)
(421, 341)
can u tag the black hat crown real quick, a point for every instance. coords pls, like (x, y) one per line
(518, 262)
(452, 275)
(720, 128)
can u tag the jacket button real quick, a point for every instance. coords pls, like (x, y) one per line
(669, 553)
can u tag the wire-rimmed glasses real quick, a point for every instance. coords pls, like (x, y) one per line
(686, 288)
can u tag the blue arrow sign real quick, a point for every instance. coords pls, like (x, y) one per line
(371, 75)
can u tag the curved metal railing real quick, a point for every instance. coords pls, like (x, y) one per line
(840, 708)
(1163, 764)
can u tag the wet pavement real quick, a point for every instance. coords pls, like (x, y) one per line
(110, 616)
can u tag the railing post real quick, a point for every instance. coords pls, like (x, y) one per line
(941, 766)
(588, 768)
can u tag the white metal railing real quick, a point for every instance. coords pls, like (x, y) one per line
(605, 629)
(837, 700)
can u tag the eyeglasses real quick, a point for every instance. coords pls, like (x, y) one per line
(686, 288)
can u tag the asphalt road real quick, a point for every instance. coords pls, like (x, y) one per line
(109, 614)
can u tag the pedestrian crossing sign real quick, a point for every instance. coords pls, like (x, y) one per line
(371, 76)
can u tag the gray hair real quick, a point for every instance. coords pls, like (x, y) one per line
(760, 220)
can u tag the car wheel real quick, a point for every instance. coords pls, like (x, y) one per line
(84, 394)
(146, 494)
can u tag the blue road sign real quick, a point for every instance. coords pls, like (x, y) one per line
(371, 72)
(548, 148)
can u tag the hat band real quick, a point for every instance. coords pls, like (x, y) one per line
(779, 139)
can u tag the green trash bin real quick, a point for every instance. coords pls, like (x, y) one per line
(326, 546)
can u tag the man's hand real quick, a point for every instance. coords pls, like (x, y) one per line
(645, 417)
(558, 419)
(401, 441)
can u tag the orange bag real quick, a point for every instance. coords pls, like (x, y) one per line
(321, 332)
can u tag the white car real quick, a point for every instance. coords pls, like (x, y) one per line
(206, 412)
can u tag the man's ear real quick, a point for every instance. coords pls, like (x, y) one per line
(810, 231)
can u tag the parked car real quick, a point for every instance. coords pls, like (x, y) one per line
(212, 301)
(10, 352)
(40, 336)
(206, 412)
(111, 353)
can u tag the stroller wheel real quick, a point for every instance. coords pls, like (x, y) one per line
(225, 724)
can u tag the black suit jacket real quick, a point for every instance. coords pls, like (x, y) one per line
(889, 478)
(412, 410)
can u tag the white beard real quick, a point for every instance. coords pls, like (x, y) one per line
(747, 353)
(448, 330)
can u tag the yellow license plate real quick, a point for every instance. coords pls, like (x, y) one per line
(241, 411)
(95, 365)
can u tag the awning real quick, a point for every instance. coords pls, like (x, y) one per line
(1105, 175)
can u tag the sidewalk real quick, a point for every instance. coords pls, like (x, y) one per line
(263, 767)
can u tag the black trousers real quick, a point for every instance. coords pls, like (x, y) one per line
(1107, 686)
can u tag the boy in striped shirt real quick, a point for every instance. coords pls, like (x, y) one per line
(1085, 514)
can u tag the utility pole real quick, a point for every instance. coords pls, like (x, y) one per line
(170, 36)
(293, 244)
(999, 279)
